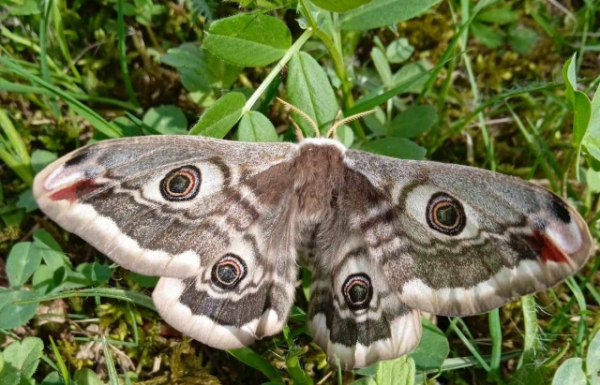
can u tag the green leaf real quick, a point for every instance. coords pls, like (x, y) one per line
(414, 121)
(167, 119)
(396, 147)
(27, 201)
(50, 250)
(487, 35)
(339, 5)
(399, 50)
(11, 315)
(522, 39)
(382, 66)
(400, 371)
(44, 279)
(255, 127)
(54, 379)
(570, 77)
(570, 373)
(500, 15)
(95, 272)
(593, 180)
(310, 91)
(345, 136)
(582, 111)
(24, 356)
(381, 13)
(594, 126)
(413, 74)
(22, 262)
(292, 361)
(199, 70)
(144, 280)
(86, 376)
(250, 40)
(433, 348)
(592, 361)
(41, 158)
(255, 360)
(217, 120)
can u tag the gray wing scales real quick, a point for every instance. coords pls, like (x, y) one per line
(354, 315)
(213, 218)
(456, 240)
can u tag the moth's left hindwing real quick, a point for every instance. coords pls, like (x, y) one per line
(213, 218)
(455, 240)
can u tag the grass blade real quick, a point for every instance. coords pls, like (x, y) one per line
(64, 372)
(123, 295)
(87, 113)
(255, 360)
(123, 53)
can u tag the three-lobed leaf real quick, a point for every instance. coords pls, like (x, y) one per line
(20, 361)
(249, 40)
(399, 50)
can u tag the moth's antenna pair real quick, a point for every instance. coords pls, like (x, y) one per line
(332, 131)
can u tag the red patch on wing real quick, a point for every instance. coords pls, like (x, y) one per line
(74, 191)
(547, 249)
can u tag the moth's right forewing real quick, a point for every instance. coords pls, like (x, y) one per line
(457, 240)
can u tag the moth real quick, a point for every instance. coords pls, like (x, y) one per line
(223, 224)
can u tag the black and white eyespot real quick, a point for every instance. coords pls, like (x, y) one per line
(228, 272)
(357, 291)
(446, 214)
(181, 184)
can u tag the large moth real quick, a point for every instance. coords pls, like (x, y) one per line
(222, 223)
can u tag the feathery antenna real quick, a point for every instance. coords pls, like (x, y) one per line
(304, 115)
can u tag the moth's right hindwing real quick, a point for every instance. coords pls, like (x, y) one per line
(211, 217)
(354, 316)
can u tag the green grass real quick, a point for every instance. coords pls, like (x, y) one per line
(508, 94)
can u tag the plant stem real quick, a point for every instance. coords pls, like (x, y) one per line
(496, 335)
(278, 67)
(123, 53)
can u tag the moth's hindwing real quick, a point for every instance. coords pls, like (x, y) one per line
(456, 240)
(354, 316)
(209, 216)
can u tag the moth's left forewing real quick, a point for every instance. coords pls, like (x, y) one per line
(457, 240)
(211, 217)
